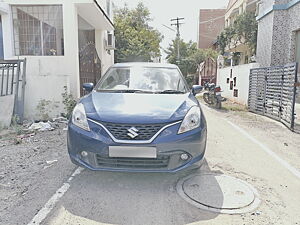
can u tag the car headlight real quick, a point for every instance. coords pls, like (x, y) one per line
(79, 117)
(191, 120)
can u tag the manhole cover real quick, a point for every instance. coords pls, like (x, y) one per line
(218, 193)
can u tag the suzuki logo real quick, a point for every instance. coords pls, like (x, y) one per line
(132, 132)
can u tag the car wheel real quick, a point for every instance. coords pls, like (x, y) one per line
(196, 166)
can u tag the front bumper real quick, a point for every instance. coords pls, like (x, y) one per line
(168, 143)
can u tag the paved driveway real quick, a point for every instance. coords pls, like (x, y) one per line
(255, 149)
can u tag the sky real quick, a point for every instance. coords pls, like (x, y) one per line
(164, 10)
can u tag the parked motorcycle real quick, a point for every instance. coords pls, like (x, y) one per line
(213, 96)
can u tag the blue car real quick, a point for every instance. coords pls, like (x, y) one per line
(140, 117)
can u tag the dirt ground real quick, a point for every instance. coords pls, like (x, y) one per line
(30, 174)
(32, 171)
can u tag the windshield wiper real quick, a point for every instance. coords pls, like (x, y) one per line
(141, 91)
(126, 91)
(144, 91)
(116, 91)
(171, 92)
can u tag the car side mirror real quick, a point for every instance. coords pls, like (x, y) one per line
(88, 87)
(196, 89)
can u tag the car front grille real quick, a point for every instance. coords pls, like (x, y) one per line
(145, 131)
(133, 163)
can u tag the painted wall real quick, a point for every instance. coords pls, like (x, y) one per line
(264, 41)
(277, 32)
(47, 75)
(107, 57)
(6, 110)
(240, 74)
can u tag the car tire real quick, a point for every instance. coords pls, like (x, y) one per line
(196, 166)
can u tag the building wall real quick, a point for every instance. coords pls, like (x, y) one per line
(276, 43)
(234, 9)
(281, 33)
(294, 26)
(47, 75)
(241, 75)
(211, 23)
(265, 5)
(264, 41)
(232, 6)
(281, 1)
(107, 57)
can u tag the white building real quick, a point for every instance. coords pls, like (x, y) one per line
(64, 42)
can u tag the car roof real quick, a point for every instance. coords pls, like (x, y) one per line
(145, 64)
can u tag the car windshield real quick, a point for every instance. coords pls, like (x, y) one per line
(142, 79)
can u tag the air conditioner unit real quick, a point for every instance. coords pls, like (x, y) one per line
(110, 42)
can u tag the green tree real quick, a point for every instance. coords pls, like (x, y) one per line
(190, 57)
(246, 26)
(136, 40)
(243, 30)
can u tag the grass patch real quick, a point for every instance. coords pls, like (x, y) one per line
(227, 105)
(233, 106)
(200, 98)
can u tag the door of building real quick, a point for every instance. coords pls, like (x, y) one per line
(89, 61)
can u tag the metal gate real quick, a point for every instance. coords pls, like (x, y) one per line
(89, 65)
(12, 82)
(272, 92)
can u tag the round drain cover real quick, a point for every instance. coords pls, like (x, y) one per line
(219, 193)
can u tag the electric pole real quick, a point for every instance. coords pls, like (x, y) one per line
(177, 24)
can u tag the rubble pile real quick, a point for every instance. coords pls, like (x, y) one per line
(49, 125)
(27, 131)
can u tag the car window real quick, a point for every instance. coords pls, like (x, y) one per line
(116, 78)
(142, 78)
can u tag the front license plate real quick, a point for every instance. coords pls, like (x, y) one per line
(132, 152)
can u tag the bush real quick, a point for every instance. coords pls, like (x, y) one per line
(69, 102)
(15, 124)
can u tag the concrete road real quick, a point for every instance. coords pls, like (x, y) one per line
(255, 149)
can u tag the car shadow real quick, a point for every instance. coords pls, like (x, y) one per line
(135, 198)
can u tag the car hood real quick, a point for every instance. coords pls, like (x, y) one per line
(137, 107)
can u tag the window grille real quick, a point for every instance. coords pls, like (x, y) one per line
(38, 30)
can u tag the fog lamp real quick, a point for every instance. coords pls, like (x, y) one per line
(184, 156)
(84, 154)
